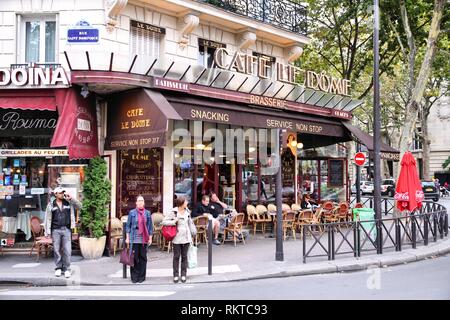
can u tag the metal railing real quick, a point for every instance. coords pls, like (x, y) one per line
(358, 237)
(284, 14)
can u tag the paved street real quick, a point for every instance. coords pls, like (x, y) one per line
(428, 279)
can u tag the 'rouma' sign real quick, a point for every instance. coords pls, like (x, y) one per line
(14, 123)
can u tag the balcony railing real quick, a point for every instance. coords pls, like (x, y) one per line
(284, 14)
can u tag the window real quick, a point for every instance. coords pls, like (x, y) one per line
(269, 61)
(206, 50)
(39, 35)
(417, 141)
(145, 39)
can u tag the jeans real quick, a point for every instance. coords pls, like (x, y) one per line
(180, 250)
(139, 270)
(62, 239)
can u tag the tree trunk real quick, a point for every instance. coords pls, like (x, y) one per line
(419, 87)
(426, 142)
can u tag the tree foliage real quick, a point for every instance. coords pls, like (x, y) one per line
(96, 192)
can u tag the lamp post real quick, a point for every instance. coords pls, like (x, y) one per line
(376, 124)
(279, 256)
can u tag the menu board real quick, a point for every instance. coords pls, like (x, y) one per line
(335, 173)
(140, 175)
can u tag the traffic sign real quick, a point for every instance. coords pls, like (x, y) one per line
(360, 159)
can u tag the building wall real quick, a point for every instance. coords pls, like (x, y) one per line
(439, 126)
(69, 12)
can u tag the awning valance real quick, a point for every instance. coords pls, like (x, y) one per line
(77, 124)
(228, 112)
(28, 99)
(138, 119)
(387, 152)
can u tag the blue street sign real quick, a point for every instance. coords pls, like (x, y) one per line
(86, 35)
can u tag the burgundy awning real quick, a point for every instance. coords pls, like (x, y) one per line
(138, 119)
(77, 124)
(387, 152)
(28, 99)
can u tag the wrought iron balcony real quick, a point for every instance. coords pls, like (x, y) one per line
(284, 14)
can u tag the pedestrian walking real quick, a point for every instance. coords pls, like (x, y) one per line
(59, 220)
(139, 230)
(180, 216)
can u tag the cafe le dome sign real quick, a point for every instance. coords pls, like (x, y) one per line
(33, 76)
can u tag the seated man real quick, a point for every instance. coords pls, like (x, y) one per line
(218, 208)
(204, 208)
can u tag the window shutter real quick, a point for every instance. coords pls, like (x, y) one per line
(145, 42)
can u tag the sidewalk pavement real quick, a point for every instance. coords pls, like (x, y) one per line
(254, 260)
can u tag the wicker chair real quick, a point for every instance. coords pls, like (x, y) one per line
(157, 217)
(235, 228)
(255, 219)
(39, 240)
(263, 215)
(328, 213)
(201, 222)
(116, 233)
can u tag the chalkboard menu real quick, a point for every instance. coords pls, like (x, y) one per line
(335, 173)
(140, 174)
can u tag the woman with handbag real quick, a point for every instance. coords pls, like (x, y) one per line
(180, 216)
(139, 229)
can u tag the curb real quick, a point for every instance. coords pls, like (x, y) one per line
(327, 267)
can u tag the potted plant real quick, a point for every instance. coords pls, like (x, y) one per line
(94, 212)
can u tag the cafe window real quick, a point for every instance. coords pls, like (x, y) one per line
(145, 39)
(140, 174)
(270, 62)
(329, 190)
(39, 34)
(206, 50)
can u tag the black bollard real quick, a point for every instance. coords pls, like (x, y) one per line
(210, 235)
(124, 246)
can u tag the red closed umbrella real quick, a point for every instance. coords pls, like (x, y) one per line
(408, 193)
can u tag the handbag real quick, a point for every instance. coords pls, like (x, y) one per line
(192, 227)
(192, 257)
(169, 232)
(126, 258)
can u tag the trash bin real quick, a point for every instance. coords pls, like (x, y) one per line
(366, 214)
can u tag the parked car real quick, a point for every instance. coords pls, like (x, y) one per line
(388, 187)
(366, 187)
(430, 191)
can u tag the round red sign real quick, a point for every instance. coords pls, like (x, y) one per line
(360, 159)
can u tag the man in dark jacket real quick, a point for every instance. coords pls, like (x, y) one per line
(204, 208)
(59, 220)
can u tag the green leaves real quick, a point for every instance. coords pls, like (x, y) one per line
(96, 191)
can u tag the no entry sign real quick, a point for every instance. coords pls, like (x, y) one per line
(360, 159)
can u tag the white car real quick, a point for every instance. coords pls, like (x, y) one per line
(366, 187)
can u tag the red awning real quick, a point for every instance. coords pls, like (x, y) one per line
(77, 124)
(28, 99)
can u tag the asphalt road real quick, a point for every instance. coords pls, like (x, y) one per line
(428, 279)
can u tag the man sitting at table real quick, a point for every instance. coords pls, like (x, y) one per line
(204, 208)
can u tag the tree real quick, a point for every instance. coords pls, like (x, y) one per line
(417, 83)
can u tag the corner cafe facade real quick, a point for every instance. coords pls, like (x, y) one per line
(176, 129)
(47, 131)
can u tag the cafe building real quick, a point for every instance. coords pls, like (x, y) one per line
(47, 131)
(191, 97)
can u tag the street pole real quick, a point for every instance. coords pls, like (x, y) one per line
(279, 256)
(376, 115)
(358, 177)
(376, 126)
